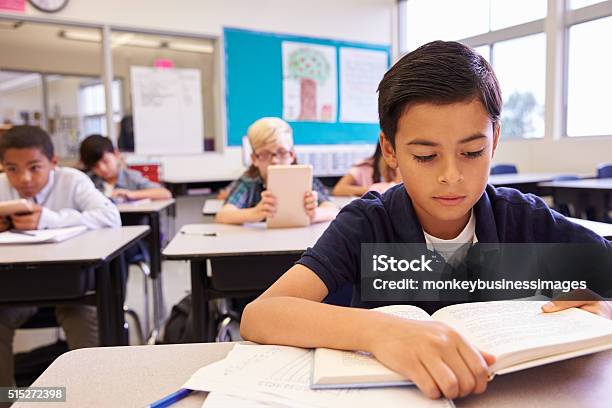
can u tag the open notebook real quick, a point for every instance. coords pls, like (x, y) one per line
(40, 236)
(518, 333)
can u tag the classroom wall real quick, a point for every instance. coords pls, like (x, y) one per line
(357, 20)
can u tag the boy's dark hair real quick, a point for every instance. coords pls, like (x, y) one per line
(440, 72)
(92, 149)
(26, 137)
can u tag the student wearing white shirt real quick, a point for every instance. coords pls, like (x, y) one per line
(62, 197)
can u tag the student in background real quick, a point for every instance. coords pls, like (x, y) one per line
(112, 177)
(63, 197)
(440, 109)
(364, 174)
(272, 143)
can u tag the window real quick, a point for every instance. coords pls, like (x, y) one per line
(589, 83)
(523, 85)
(92, 104)
(504, 33)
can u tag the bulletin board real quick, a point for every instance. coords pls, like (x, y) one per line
(260, 80)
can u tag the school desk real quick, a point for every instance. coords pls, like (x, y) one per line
(138, 375)
(235, 261)
(601, 228)
(86, 269)
(595, 194)
(525, 182)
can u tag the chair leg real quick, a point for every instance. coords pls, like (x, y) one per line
(158, 310)
(136, 319)
(146, 272)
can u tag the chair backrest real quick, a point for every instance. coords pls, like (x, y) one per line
(604, 170)
(504, 169)
(150, 171)
(566, 177)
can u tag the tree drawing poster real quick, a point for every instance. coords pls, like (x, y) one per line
(310, 88)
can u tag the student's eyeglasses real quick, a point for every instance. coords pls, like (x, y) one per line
(267, 156)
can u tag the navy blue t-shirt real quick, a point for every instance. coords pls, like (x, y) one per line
(503, 215)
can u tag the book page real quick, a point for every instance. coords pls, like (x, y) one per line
(341, 366)
(281, 375)
(506, 327)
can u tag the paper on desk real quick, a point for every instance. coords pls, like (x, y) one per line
(281, 375)
(41, 236)
(218, 400)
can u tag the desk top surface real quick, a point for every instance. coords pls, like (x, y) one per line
(602, 228)
(139, 375)
(521, 178)
(148, 207)
(91, 246)
(594, 184)
(207, 240)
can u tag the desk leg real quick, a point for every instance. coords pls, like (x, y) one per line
(109, 298)
(156, 278)
(199, 302)
(118, 277)
(102, 303)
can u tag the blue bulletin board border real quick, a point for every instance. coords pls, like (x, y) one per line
(254, 88)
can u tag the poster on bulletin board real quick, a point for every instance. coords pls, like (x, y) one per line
(310, 90)
(325, 89)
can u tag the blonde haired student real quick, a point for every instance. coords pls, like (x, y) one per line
(440, 110)
(272, 142)
(360, 178)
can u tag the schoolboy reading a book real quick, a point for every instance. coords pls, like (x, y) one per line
(272, 142)
(110, 176)
(439, 111)
(62, 197)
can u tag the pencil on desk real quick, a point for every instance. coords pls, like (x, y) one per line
(170, 399)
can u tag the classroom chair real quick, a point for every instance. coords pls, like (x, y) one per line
(604, 170)
(504, 169)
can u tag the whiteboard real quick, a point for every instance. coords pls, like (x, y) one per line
(167, 109)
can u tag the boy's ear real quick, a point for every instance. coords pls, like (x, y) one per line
(53, 161)
(388, 151)
(496, 133)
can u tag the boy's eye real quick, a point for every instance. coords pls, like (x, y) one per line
(424, 159)
(473, 155)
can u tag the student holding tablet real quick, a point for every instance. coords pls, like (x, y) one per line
(271, 140)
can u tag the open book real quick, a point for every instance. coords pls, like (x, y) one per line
(518, 333)
(40, 236)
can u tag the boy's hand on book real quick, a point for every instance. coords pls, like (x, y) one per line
(266, 206)
(435, 357)
(582, 299)
(310, 204)
(28, 221)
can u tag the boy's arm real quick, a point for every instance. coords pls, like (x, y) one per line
(158, 193)
(230, 214)
(434, 356)
(346, 187)
(92, 209)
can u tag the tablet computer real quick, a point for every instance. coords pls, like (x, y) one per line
(289, 184)
(15, 207)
